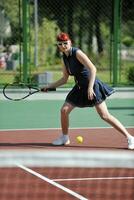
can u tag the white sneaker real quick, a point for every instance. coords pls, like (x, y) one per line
(61, 141)
(131, 143)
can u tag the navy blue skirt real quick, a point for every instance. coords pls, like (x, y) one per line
(78, 95)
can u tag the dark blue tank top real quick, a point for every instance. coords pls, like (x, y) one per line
(76, 69)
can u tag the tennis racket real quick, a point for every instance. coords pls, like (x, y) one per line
(17, 92)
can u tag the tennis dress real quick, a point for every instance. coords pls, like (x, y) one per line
(78, 96)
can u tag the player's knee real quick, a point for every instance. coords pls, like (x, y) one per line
(64, 111)
(104, 116)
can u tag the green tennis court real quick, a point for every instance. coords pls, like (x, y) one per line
(46, 114)
(76, 171)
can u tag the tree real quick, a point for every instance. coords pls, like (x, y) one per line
(11, 12)
(5, 28)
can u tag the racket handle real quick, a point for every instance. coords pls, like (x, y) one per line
(47, 89)
(51, 89)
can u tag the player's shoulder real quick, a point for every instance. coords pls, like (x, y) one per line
(80, 53)
(76, 51)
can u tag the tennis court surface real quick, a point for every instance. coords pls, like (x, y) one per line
(39, 174)
(101, 168)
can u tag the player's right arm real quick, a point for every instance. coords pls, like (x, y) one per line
(61, 81)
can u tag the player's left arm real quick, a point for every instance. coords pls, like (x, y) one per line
(82, 57)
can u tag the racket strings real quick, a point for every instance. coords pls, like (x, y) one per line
(17, 92)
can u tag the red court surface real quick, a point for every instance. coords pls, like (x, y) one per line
(24, 186)
(94, 183)
(94, 138)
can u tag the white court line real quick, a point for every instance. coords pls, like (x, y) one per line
(94, 179)
(71, 128)
(78, 196)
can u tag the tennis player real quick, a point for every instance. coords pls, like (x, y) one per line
(87, 92)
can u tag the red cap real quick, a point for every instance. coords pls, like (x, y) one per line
(63, 37)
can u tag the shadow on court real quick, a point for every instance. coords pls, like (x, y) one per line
(121, 108)
(47, 145)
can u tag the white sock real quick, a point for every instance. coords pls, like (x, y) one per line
(66, 137)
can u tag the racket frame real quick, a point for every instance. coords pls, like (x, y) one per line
(25, 85)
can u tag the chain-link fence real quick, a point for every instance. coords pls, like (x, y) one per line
(9, 40)
(28, 30)
(127, 42)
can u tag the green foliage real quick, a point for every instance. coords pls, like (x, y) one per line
(127, 36)
(11, 10)
(105, 30)
(130, 74)
(47, 42)
(128, 41)
(81, 19)
(128, 28)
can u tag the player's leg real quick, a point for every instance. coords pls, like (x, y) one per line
(105, 115)
(65, 111)
(64, 138)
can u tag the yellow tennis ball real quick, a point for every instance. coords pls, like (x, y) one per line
(79, 139)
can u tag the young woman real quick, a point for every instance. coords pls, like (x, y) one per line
(88, 90)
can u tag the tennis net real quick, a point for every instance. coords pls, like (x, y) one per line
(66, 174)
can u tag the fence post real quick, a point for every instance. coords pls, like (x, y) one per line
(116, 41)
(25, 22)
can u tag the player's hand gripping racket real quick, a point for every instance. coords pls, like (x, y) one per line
(17, 92)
